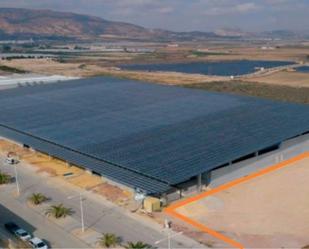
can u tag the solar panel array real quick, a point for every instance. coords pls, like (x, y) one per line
(145, 135)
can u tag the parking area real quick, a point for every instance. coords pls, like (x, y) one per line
(268, 210)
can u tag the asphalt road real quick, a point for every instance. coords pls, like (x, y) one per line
(5, 235)
(100, 215)
(35, 224)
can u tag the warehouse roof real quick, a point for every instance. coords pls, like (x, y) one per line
(145, 135)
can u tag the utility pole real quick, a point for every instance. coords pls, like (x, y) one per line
(16, 179)
(167, 226)
(81, 200)
(82, 211)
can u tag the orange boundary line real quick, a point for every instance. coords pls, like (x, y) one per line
(171, 210)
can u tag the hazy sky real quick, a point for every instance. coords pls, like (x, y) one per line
(185, 15)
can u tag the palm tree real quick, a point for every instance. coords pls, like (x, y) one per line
(58, 211)
(109, 240)
(137, 245)
(37, 198)
(4, 178)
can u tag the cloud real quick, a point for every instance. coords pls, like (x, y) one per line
(184, 15)
(246, 7)
(165, 10)
(240, 8)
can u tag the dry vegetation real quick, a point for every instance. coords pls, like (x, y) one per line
(256, 89)
(284, 85)
(256, 53)
(284, 78)
(47, 66)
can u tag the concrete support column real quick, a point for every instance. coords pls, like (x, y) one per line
(199, 183)
(207, 178)
(180, 193)
(279, 158)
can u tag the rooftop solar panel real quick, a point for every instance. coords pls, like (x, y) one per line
(157, 135)
(129, 178)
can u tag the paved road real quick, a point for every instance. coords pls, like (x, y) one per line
(100, 215)
(35, 223)
(272, 70)
(4, 235)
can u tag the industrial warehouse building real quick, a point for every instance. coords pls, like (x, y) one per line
(149, 137)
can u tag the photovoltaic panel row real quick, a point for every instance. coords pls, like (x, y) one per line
(221, 139)
(165, 133)
(117, 174)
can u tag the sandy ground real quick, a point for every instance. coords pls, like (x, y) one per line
(78, 176)
(294, 79)
(270, 211)
(48, 66)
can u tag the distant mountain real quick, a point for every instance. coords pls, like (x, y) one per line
(28, 23)
(229, 32)
(54, 25)
(274, 34)
(285, 34)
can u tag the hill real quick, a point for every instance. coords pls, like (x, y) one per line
(28, 23)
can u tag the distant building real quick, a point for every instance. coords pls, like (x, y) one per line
(267, 48)
(173, 45)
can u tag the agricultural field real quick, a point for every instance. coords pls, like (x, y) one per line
(286, 85)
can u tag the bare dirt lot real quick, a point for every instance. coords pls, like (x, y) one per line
(270, 211)
(284, 78)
